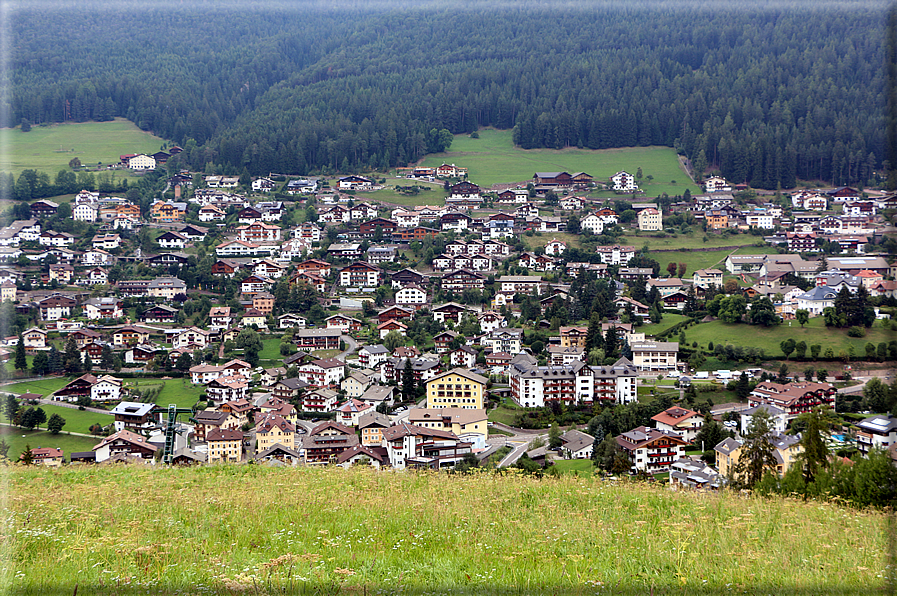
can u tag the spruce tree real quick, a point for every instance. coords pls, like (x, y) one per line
(21, 362)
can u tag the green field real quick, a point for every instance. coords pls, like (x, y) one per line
(769, 338)
(17, 438)
(174, 391)
(436, 196)
(668, 321)
(50, 148)
(213, 530)
(541, 239)
(44, 386)
(579, 467)
(493, 159)
(76, 421)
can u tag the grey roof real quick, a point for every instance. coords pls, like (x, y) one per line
(727, 446)
(879, 424)
(374, 419)
(769, 409)
(819, 293)
(575, 440)
(376, 349)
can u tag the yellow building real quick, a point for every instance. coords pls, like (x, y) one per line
(457, 388)
(787, 450)
(274, 429)
(457, 420)
(225, 445)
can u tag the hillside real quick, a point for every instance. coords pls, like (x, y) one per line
(260, 530)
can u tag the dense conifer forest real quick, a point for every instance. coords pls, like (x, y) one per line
(767, 94)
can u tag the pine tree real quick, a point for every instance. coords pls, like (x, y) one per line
(610, 342)
(21, 361)
(742, 387)
(594, 339)
(815, 454)
(54, 364)
(408, 381)
(757, 454)
(72, 362)
(27, 457)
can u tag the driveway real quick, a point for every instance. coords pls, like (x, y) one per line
(351, 346)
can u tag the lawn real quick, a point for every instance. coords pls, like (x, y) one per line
(213, 529)
(542, 238)
(435, 196)
(769, 338)
(50, 148)
(693, 240)
(325, 353)
(44, 386)
(174, 391)
(579, 467)
(504, 414)
(76, 421)
(17, 438)
(665, 323)
(493, 159)
(694, 260)
(271, 349)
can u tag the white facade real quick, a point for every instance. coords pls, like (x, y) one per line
(411, 295)
(592, 223)
(142, 162)
(624, 182)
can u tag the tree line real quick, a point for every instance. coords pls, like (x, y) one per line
(765, 96)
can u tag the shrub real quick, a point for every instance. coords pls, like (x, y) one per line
(856, 332)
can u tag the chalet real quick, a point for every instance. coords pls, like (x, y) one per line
(651, 450)
(316, 266)
(171, 240)
(461, 280)
(519, 284)
(103, 308)
(211, 213)
(616, 255)
(345, 251)
(395, 313)
(559, 179)
(412, 234)
(317, 339)
(56, 307)
(360, 274)
(51, 238)
(168, 259)
(129, 336)
(380, 254)
(355, 183)
(384, 328)
(239, 248)
(335, 214)
(454, 221)
(254, 285)
(443, 341)
(793, 398)
(259, 232)
(464, 191)
(248, 215)
(450, 311)
(124, 443)
(343, 323)
(226, 267)
(406, 277)
(43, 208)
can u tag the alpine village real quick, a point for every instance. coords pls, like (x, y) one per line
(296, 322)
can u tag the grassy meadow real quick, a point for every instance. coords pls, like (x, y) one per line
(216, 530)
(769, 338)
(76, 421)
(18, 438)
(50, 148)
(493, 159)
(435, 196)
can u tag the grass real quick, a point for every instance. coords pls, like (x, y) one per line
(694, 240)
(44, 386)
(174, 391)
(668, 321)
(50, 148)
(18, 438)
(321, 354)
(578, 467)
(271, 349)
(542, 238)
(499, 432)
(464, 534)
(504, 414)
(76, 421)
(493, 159)
(435, 196)
(769, 338)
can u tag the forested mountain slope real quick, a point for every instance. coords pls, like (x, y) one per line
(768, 93)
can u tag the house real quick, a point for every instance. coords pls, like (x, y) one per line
(384, 328)
(704, 278)
(623, 182)
(649, 220)
(349, 413)
(263, 303)
(462, 279)
(106, 389)
(238, 248)
(343, 323)
(50, 457)
(61, 272)
(409, 445)
(651, 450)
(616, 255)
(55, 307)
(816, 300)
(396, 313)
(192, 337)
(464, 357)
(457, 388)
(141, 162)
(34, 339)
(253, 317)
(413, 296)
(793, 398)
(356, 383)
(253, 285)
(876, 432)
(209, 213)
(381, 254)
(787, 450)
(58, 239)
(43, 208)
(717, 184)
(655, 356)
(378, 225)
(372, 356)
(273, 430)
(160, 313)
(464, 191)
(379, 394)
(326, 373)
(317, 339)
(520, 284)
(577, 444)
(124, 443)
(360, 275)
(170, 240)
(168, 212)
(504, 339)
(355, 183)
(561, 356)
(555, 248)
(778, 418)
(227, 388)
(443, 341)
(133, 415)
(554, 179)
(322, 401)
(680, 420)
(168, 259)
(667, 285)
(224, 445)
(327, 442)
(470, 425)
(166, 287)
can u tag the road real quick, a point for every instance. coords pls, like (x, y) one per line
(522, 446)
(351, 346)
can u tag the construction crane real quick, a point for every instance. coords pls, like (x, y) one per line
(171, 428)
